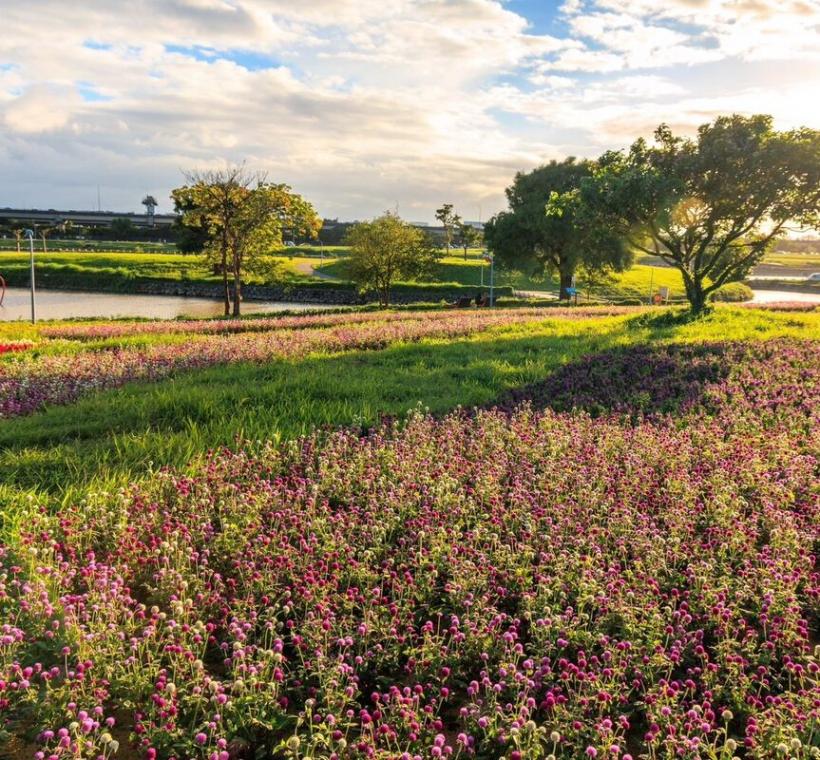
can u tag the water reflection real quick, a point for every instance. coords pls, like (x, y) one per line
(65, 304)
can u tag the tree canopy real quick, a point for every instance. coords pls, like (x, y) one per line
(243, 216)
(468, 236)
(450, 221)
(559, 240)
(386, 250)
(710, 206)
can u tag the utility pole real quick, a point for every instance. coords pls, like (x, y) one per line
(30, 235)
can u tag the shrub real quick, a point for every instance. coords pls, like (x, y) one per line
(733, 292)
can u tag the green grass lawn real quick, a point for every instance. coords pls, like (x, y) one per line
(107, 439)
(116, 270)
(632, 284)
(307, 266)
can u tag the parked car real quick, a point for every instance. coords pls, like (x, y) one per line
(815, 277)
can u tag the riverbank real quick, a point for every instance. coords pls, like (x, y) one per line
(179, 276)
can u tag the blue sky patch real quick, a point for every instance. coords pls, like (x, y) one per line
(89, 93)
(95, 45)
(247, 59)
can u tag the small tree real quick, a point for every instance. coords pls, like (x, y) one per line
(468, 237)
(548, 229)
(711, 207)
(18, 236)
(211, 202)
(122, 228)
(44, 232)
(243, 216)
(265, 212)
(387, 250)
(449, 220)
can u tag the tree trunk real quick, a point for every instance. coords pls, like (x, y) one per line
(465, 253)
(696, 296)
(237, 289)
(45, 250)
(225, 288)
(566, 284)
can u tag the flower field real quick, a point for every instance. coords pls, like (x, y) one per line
(104, 330)
(15, 346)
(61, 377)
(619, 562)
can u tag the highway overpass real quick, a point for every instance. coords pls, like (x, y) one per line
(53, 217)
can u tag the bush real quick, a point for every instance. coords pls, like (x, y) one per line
(733, 292)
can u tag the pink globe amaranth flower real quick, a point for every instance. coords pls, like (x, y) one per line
(591, 752)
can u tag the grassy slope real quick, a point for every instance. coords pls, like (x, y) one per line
(118, 271)
(121, 272)
(634, 283)
(55, 244)
(111, 268)
(114, 436)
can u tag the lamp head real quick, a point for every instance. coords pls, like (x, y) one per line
(28, 233)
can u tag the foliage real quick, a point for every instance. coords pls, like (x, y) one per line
(121, 228)
(468, 237)
(732, 292)
(560, 242)
(712, 206)
(244, 216)
(424, 589)
(113, 436)
(385, 251)
(450, 221)
(60, 377)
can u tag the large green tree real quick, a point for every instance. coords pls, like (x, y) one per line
(243, 216)
(713, 205)
(387, 250)
(547, 229)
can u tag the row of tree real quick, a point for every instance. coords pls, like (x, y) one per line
(711, 206)
(456, 230)
(17, 230)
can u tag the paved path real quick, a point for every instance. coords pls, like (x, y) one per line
(307, 268)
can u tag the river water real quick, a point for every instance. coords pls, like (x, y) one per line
(64, 304)
(774, 296)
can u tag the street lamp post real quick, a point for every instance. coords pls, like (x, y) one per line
(30, 235)
(489, 257)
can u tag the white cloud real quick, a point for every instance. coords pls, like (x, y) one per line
(363, 103)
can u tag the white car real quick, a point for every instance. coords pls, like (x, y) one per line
(814, 277)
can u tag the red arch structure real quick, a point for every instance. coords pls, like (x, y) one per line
(2, 289)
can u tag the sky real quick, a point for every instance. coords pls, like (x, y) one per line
(369, 105)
